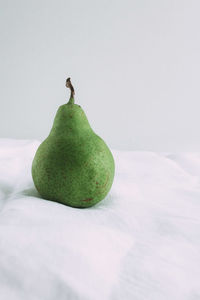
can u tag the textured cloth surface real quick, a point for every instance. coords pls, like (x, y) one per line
(141, 242)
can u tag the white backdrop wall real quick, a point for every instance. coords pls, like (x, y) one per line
(135, 66)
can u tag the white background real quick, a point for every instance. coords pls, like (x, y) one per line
(135, 66)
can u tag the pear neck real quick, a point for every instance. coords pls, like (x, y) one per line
(71, 100)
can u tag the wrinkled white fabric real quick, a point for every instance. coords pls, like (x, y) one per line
(141, 242)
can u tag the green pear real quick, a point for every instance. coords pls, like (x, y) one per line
(73, 165)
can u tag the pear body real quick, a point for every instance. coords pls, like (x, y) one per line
(73, 165)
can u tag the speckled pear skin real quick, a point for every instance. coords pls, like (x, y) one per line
(73, 165)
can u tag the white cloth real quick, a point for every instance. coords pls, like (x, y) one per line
(141, 242)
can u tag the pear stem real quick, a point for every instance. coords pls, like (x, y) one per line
(70, 86)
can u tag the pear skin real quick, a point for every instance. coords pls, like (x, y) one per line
(73, 165)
